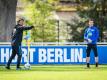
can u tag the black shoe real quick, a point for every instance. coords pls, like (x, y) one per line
(96, 65)
(88, 65)
(7, 67)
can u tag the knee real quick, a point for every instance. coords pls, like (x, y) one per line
(96, 55)
(19, 55)
(88, 55)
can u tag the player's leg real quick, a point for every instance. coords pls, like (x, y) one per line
(11, 57)
(96, 54)
(88, 50)
(19, 53)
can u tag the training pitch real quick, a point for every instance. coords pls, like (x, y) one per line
(55, 72)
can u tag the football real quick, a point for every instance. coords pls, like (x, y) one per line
(27, 66)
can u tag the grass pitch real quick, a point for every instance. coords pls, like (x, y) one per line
(55, 72)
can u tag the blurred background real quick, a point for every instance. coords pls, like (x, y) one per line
(54, 20)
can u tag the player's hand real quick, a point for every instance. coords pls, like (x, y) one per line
(85, 41)
(12, 44)
(89, 41)
(32, 26)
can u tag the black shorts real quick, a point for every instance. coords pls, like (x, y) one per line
(94, 48)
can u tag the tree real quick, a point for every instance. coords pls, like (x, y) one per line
(7, 18)
(39, 14)
(96, 9)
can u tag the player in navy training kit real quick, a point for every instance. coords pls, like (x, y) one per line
(17, 36)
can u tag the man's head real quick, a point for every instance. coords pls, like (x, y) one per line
(21, 21)
(91, 22)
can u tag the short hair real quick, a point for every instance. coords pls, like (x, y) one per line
(91, 19)
(21, 19)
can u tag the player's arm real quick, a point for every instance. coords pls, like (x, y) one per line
(96, 35)
(86, 39)
(26, 28)
(85, 35)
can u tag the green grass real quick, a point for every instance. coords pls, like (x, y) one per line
(55, 72)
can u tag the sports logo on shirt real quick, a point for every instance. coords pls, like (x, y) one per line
(89, 34)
